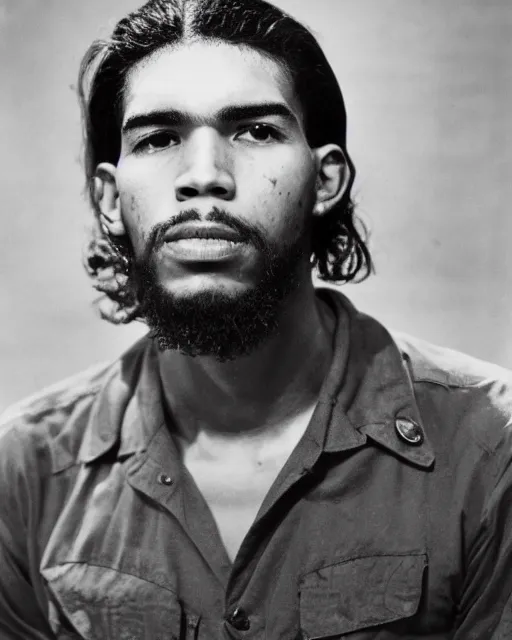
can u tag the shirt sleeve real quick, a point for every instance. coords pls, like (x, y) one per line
(21, 612)
(485, 607)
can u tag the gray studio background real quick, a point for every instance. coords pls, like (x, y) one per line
(428, 87)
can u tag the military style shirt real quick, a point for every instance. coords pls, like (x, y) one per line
(391, 519)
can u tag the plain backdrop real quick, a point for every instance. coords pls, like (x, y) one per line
(428, 88)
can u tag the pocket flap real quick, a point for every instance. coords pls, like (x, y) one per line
(359, 593)
(99, 603)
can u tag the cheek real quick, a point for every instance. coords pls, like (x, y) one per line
(138, 201)
(289, 198)
(134, 211)
(131, 210)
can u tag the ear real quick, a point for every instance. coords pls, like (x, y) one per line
(106, 198)
(333, 177)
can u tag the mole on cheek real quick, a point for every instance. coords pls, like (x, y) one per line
(273, 181)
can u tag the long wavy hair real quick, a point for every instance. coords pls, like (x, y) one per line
(338, 243)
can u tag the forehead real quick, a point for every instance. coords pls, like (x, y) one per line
(204, 77)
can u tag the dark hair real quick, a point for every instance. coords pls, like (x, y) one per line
(338, 248)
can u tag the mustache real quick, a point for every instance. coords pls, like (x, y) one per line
(248, 232)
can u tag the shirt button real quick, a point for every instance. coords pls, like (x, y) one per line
(409, 431)
(163, 478)
(239, 620)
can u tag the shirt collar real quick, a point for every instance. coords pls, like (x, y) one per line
(367, 390)
(128, 410)
(375, 396)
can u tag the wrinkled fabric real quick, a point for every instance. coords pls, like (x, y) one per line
(365, 534)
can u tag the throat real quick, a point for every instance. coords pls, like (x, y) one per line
(272, 385)
(235, 477)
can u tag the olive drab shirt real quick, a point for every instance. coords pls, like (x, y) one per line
(391, 519)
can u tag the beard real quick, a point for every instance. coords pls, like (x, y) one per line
(215, 322)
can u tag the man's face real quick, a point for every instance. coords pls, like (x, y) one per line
(216, 180)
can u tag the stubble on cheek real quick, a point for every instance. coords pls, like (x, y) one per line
(134, 223)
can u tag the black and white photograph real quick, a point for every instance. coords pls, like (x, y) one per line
(256, 300)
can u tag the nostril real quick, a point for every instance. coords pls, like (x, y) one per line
(188, 192)
(194, 189)
(219, 191)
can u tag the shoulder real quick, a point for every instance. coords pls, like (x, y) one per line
(466, 395)
(35, 431)
(448, 367)
(29, 428)
(57, 397)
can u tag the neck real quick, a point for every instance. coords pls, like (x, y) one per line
(273, 385)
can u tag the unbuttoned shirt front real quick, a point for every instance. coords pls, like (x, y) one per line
(392, 518)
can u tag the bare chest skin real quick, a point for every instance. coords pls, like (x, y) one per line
(234, 474)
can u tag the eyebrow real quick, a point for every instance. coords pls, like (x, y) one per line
(234, 113)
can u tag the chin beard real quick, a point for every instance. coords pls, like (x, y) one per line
(217, 323)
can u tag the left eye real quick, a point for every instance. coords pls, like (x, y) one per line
(261, 133)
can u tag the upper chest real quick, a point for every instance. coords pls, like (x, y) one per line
(235, 479)
(235, 486)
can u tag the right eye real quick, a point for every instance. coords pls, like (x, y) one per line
(157, 142)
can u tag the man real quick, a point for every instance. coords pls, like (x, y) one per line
(268, 462)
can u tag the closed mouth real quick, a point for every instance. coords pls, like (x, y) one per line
(189, 231)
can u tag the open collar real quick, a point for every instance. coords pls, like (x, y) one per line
(128, 410)
(375, 399)
(368, 388)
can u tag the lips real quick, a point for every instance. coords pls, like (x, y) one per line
(188, 231)
(199, 242)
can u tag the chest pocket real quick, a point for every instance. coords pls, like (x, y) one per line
(98, 603)
(359, 593)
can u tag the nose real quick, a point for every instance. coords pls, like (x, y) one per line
(205, 170)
